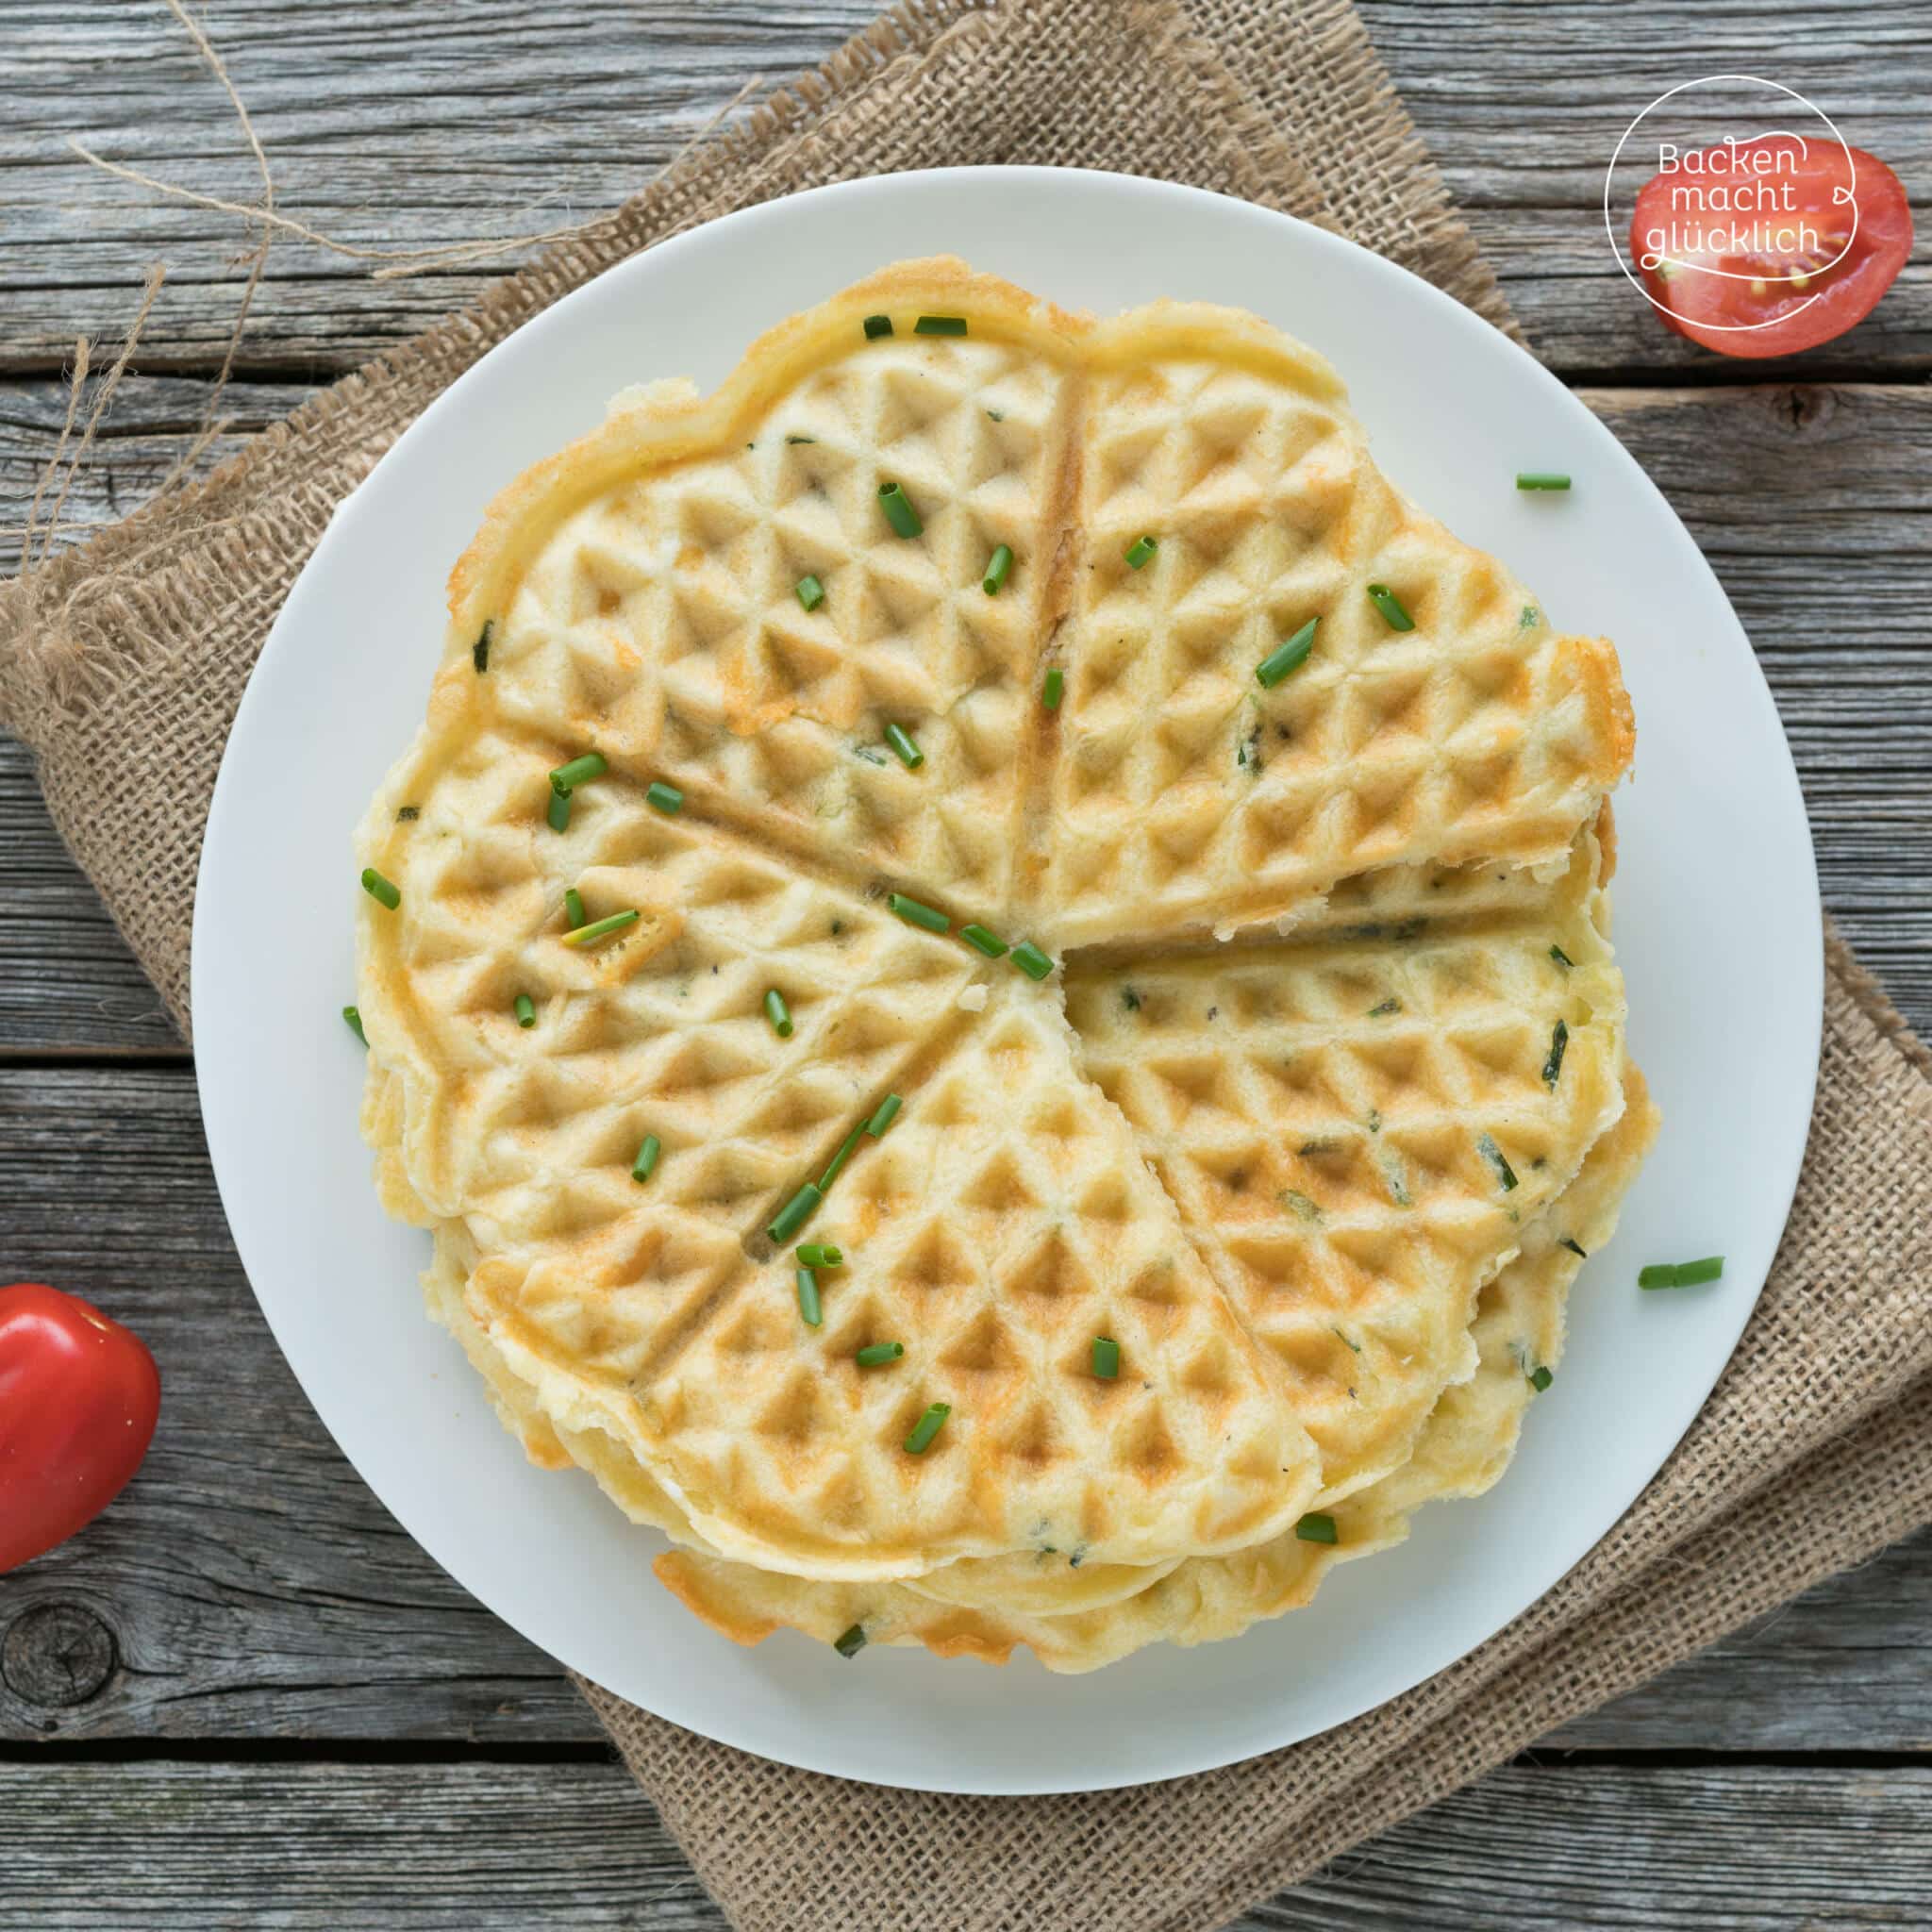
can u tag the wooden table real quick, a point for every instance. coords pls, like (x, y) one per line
(244, 1696)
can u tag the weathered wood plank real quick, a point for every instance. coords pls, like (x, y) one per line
(394, 125)
(251, 1587)
(478, 1846)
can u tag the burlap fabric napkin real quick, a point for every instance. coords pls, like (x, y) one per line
(123, 664)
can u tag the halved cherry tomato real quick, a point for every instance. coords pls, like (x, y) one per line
(1770, 299)
(78, 1398)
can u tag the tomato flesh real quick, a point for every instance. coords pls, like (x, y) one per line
(1762, 257)
(78, 1398)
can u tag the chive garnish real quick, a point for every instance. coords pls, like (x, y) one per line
(811, 594)
(1106, 1356)
(1141, 552)
(597, 928)
(1574, 1249)
(1541, 479)
(577, 771)
(573, 914)
(819, 1255)
(927, 1426)
(794, 1213)
(479, 651)
(1053, 689)
(875, 1353)
(990, 943)
(1031, 960)
(1316, 1528)
(1561, 957)
(1389, 1005)
(997, 565)
(908, 754)
(854, 1640)
(647, 1157)
(354, 1016)
(1541, 1378)
(665, 799)
(1554, 1065)
(801, 438)
(840, 1158)
(939, 326)
(379, 889)
(809, 1306)
(778, 1013)
(878, 326)
(407, 814)
(884, 1115)
(1390, 604)
(1681, 1273)
(899, 511)
(913, 913)
(1286, 657)
(525, 1010)
(1493, 1155)
(558, 813)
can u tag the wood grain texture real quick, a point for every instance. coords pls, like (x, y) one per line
(477, 1846)
(420, 125)
(252, 1588)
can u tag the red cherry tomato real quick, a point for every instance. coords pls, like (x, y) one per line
(1806, 201)
(79, 1397)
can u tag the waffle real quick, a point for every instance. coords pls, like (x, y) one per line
(1194, 1238)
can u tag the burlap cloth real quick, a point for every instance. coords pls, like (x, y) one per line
(122, 666)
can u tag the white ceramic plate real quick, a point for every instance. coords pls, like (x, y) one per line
(1718, 926)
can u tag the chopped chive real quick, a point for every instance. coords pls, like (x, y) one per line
(913, 913)
(1681, 1273)
(597, 928)
(939, 326)
(1561, 957)
(878, 326)
(479, 651)
(1554, 1065)
(647, 1157)
(854, 1640)
(1053, 689)
(1316, 1528)
(1541, 479)
(379, 889)
(525, 1009)
(1541, 1378)
(1106, 1356)
(578, 770)
(819, 1255)
(794, 1213)
(1574, 1249)
(883, 1115)
(1141, 552)
(990, 943)
(1390, 604)
(1388, 1006)
(899, 511)
(1493, 1155)
(778, 1013)
(809, 1306)
(354, 1016)
(997, 565)
(926, 1427)
(801, 438)
(665, 799)
(811, 594)
(406, 813)
(558, 813)
(1031, 960)
(908, 754)
(840, 1158)
(876, 1353)
(1286, 657)
(574, 915)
